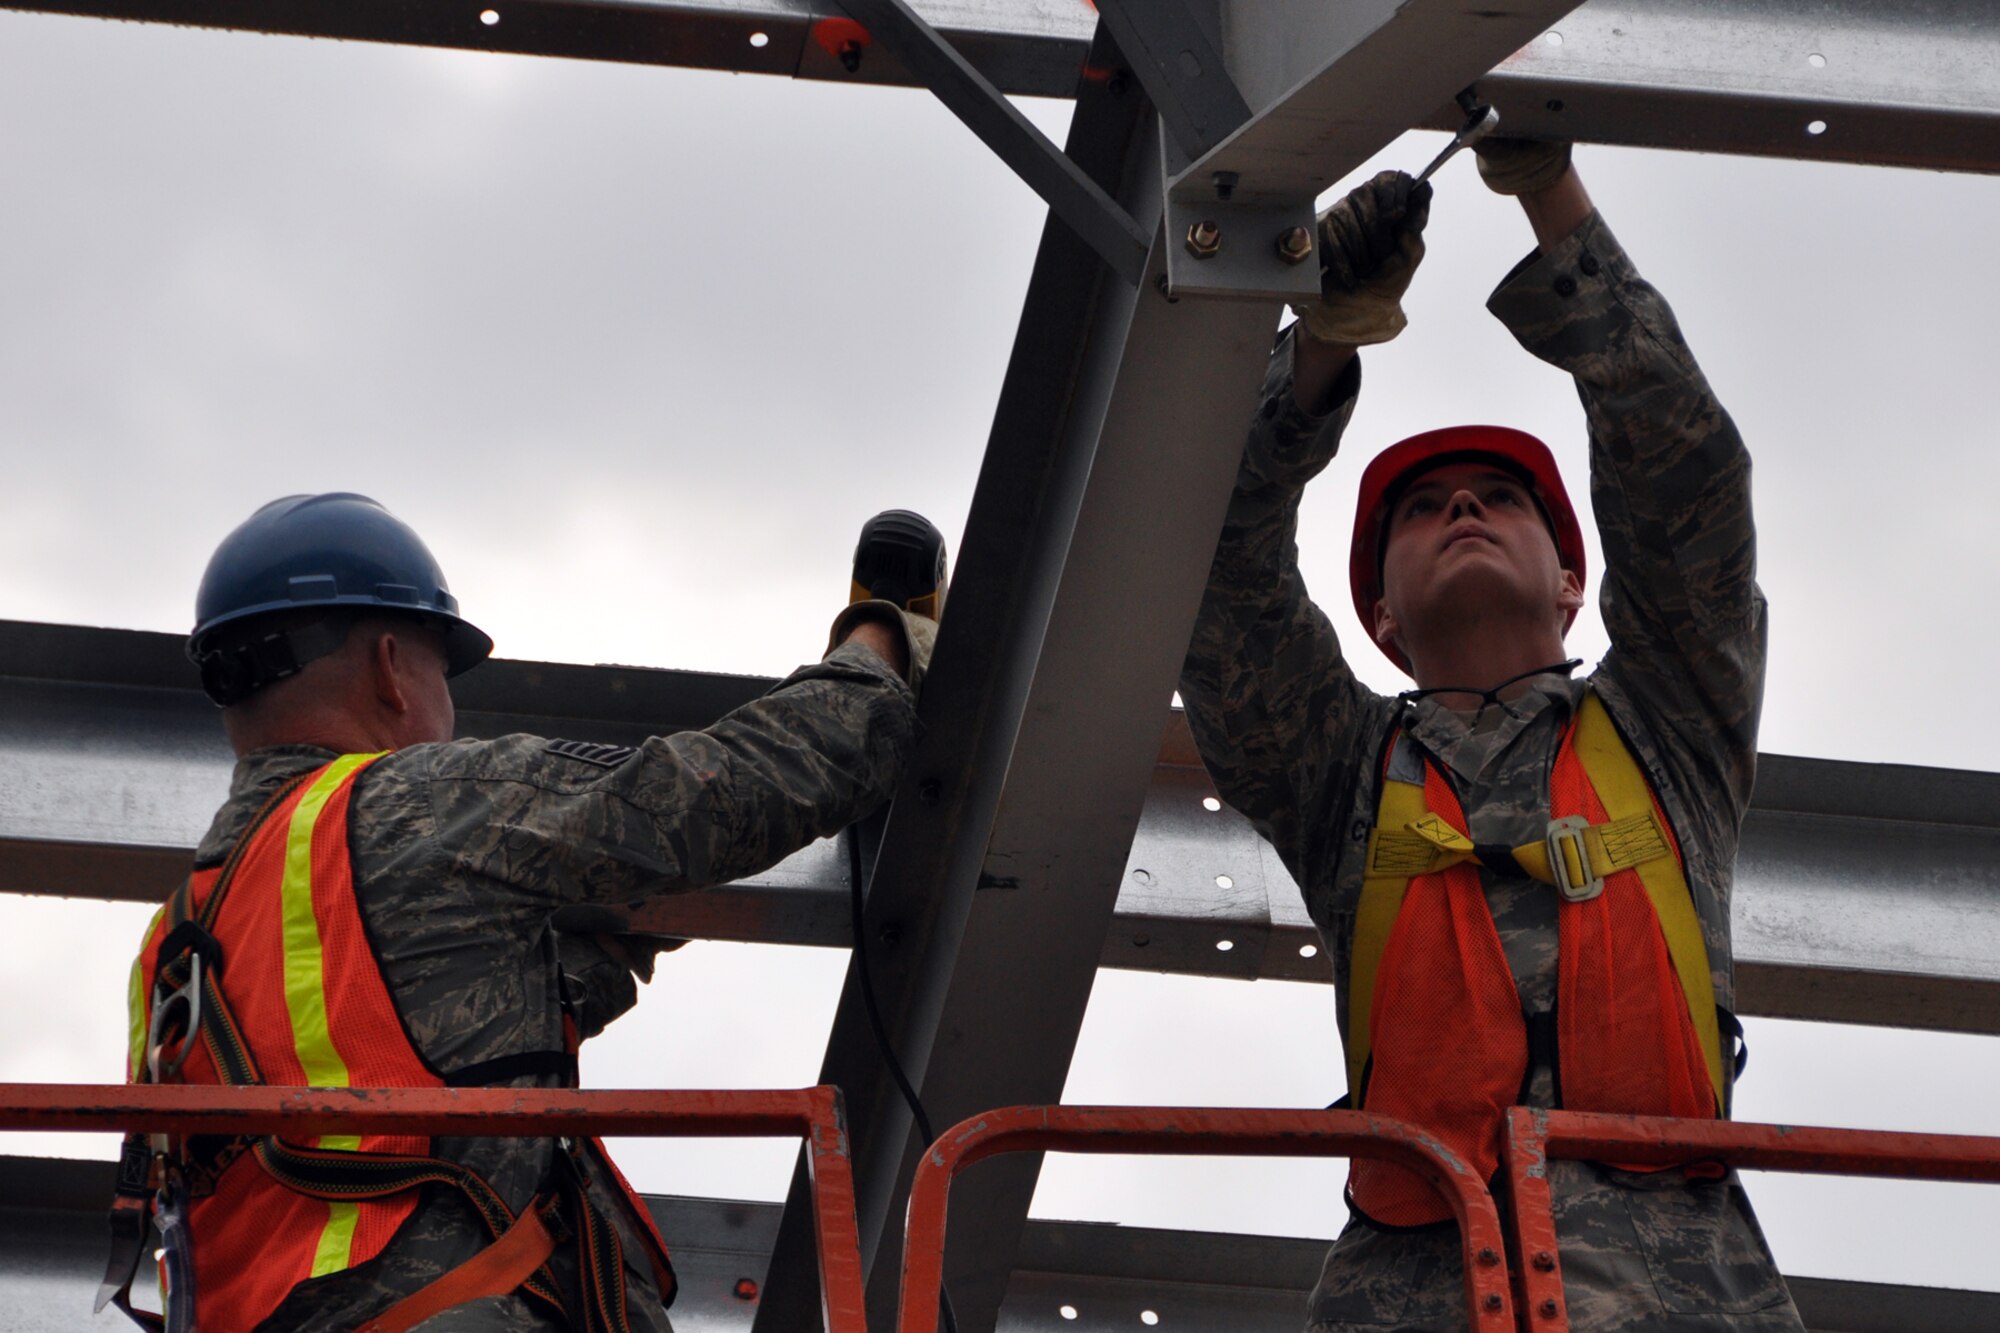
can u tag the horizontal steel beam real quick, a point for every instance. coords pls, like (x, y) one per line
(1909, 85)
(1866, 893)
(52, 1252)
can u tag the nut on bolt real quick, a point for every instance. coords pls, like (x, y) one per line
(1295, 245)
(1204, 240)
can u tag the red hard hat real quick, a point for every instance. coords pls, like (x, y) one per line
(1393, 468)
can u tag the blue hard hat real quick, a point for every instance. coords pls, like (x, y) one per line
(315, 553)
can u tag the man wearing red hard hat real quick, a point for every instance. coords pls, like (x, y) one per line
(1522, 876)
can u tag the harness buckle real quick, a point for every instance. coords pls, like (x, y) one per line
(1569, 860)
(159, 1065)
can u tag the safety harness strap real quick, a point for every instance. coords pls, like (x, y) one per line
(1622, 788)
(1382, 891)
(1578, 855)
(345, 1176)
(505, 1265)
(1411, 840)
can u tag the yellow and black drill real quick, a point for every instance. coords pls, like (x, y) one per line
(900, 559)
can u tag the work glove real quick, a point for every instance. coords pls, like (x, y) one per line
(919, 633)
(1521, 166)
(1370, 244)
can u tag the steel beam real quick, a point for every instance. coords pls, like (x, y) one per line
(1865, 893)
(1115, 438)
(1175, 53)
(1900, 84)
(1069, 192)
(1328, 85)
(52, 1253)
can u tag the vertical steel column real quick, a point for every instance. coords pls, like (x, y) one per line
(1070, 610)
(1103, 489)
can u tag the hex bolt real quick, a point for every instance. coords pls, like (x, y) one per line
(1493, 1302)
(1295, 245)
(1225, 184)
(1204, 240)
(1544, 1261)
(1550, 1308)
(1488, 1256)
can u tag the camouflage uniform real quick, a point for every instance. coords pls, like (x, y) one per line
(1295, 742)
(463, 852)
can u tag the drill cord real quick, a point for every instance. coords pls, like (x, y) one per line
(881, 1031)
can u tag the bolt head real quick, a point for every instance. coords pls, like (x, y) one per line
(1204, 239)
(1550, 1308)
(1295, 245)
(1488, 1256)
(1493, 1301)
(1544, 1261)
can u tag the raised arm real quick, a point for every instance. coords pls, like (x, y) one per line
(1271, 702)
(611, 825)
(1670, 484)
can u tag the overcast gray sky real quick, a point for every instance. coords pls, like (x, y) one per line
(637, 349)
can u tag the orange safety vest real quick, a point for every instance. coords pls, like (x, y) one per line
(1435, 1030)
(304, 1005)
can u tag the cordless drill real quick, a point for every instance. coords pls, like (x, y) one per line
(900, 559)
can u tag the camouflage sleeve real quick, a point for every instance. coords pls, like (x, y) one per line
(1670, 485)
(564, 822)
(1269, 698)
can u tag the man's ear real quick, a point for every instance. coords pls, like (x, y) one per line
(387, 660)
(1386, 628)
(1569, 597)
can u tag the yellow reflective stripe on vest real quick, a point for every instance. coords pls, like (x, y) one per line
(1622, 789)
(1374, 918)
(138, 1014)
(305, 989)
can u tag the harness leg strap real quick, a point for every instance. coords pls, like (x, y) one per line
(494, 1271)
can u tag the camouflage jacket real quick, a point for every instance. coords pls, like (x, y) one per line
(1296, 743)
(463, 853)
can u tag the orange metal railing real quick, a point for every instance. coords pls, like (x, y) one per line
(1534, 1136)
(811, 1114)
(814, 1114)
(1205, 1132)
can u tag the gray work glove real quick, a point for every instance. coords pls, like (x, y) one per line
(919, 633)
(1521, 166)
(1370, 244)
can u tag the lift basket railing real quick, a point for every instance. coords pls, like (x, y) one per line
(1199, 1132)
(811, 1114)
(1535, 1136)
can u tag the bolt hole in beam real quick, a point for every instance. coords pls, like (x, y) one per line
(1816, 127)
(1224, 946)
(489, 16)
(1816, 60)
(1224, 882)
(1149, 1318)
(1210, 804)
(1553, 38)
(1067, 1311)
(760, 40)
(1308, 951)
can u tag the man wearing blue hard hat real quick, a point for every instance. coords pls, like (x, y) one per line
(378, 905)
